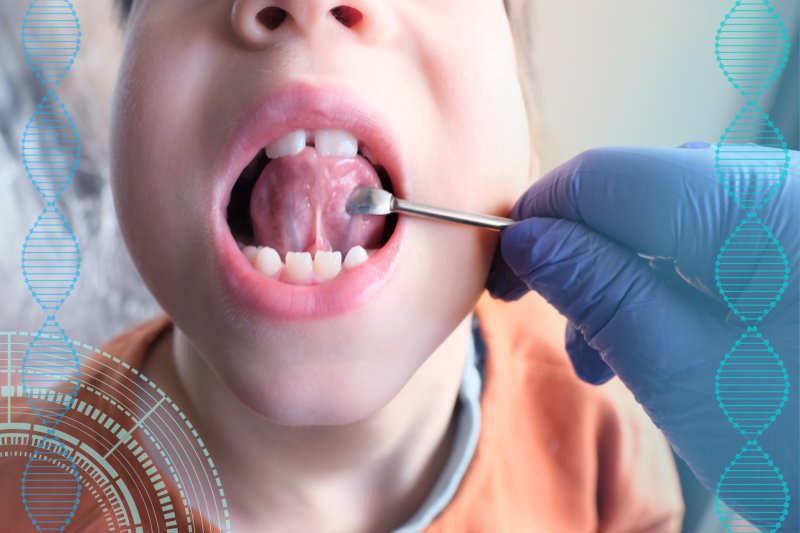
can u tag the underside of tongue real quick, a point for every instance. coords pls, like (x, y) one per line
(298, 204)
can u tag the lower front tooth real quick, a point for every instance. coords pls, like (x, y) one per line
(355, 257)
(327, 265)
(268, 261)
(299, 266)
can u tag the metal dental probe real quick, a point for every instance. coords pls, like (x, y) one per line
(366, 201)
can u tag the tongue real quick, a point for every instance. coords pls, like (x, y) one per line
(298, 204)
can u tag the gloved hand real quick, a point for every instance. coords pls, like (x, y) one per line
(659, 323)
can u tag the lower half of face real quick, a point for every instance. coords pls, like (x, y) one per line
(233, 155)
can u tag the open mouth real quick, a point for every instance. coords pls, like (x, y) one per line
(287, 208)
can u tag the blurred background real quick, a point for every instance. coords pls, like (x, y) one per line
(644, 72)
(610, 72)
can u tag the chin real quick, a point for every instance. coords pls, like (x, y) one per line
(300, 394)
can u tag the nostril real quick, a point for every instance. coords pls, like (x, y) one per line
(272, 17)
(348, 16)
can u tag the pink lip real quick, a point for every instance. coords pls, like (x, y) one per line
(292, 107)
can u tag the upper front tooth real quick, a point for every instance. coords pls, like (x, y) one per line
(336, 142)
(298, 266)
(288, 145)
(327, 265)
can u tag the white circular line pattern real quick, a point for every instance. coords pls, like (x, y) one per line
(141, 460)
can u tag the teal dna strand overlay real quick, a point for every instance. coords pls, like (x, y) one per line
(752, 269)
(51, 373)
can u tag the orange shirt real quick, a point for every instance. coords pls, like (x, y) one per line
(554, 454)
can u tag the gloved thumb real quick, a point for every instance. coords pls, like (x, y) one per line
(586, 361)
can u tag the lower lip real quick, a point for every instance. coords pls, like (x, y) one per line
(278, 301)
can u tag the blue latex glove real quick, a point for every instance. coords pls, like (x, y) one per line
(660, 324)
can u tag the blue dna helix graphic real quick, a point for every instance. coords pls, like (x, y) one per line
(752, 269)
(51, 148)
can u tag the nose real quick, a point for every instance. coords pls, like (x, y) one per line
(257, 23)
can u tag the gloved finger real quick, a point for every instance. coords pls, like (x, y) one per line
(655, 338)
(696, 145)
(582, 273)
(503, 284)
(662, 202)
(611, 295)
(586, 361)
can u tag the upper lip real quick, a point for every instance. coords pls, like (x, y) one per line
(297, 106)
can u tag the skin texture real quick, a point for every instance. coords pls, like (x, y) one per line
(312, 418)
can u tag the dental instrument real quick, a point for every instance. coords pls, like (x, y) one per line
(368, 201)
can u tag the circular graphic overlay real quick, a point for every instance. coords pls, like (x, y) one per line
(141, 464)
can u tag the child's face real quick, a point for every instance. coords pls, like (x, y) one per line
(429, 87)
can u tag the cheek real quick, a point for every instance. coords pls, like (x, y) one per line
(479, 98)
(151, 164)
